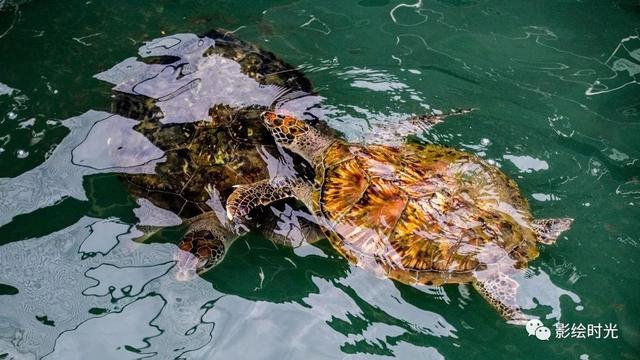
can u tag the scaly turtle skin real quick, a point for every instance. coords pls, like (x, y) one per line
(205, 159)
(417, 214)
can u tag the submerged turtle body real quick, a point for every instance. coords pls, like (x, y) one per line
(422, 214)
(201, 156)
(417, 214)
(221, 149)
(206, 157)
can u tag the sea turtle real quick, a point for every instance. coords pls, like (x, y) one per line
(205, 158)
(419, 214)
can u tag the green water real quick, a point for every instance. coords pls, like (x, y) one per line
(557, 90)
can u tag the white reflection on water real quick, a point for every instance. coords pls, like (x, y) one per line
(55, 281)
(624, 63)
(308, 330)
(526, 163)
(61, 175)
(5, 89)
(102, 238)
(135, 323)
(144, 311)
(134, 301)
(108, 140)
(126, 281)
(537, 290)
(187, 88)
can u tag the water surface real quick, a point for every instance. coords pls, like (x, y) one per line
(556, 88)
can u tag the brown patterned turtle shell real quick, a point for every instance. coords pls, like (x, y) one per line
(421, 214)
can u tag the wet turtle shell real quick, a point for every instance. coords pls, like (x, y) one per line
(422, 214)
(221, 150)
(198, 155)
(417, 214)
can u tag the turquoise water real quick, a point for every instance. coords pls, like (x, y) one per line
(555, 84)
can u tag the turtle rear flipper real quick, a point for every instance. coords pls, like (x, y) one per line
(397, 132)
(548, 230)
(425, 122)
(500, 291)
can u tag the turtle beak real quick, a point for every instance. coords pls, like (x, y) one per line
(185, 275)
(186, 265)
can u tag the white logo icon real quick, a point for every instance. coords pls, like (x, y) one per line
(535, 327)
(543, 333)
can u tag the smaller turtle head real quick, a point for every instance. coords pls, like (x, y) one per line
(197, 256)
(295, 135)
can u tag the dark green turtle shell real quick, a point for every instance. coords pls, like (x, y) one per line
(222, 150)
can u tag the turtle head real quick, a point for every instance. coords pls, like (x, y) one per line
(296, 135)
(198, 252)
(284, 127)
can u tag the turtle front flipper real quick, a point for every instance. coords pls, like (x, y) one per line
(247, 197)
(500, 291)
(548, 230)
(202, 247)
